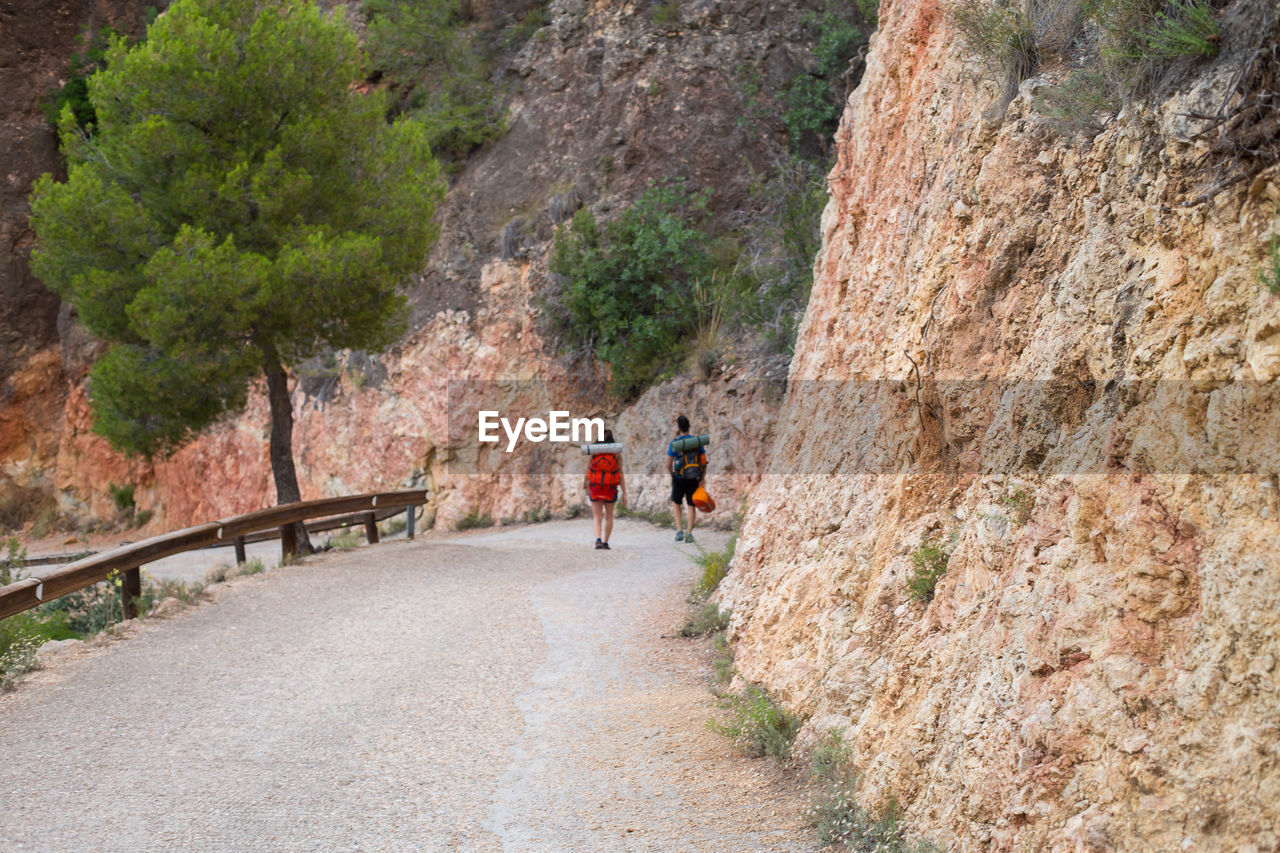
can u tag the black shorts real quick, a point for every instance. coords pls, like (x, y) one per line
(682, 489)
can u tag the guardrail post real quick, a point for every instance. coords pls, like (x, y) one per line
(288, 541)
(410, 517)
(371, 528)
(241, 559)
(130, 592)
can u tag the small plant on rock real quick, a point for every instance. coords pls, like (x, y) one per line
(757, 725)
(1019, 504)
(122, 496)
(929, 564)
(1269, 273)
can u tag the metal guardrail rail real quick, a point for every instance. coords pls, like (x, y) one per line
(31, 592)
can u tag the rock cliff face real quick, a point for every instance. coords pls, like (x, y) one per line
(1097, 670)
(606, 98)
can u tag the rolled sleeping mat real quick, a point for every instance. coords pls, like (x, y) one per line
(689, 442)
(597, 449)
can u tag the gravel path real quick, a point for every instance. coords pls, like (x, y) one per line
(508, 690)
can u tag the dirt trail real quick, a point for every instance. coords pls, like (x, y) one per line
(506, 690)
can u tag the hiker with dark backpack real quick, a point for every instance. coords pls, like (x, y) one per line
(603, 481)
(688, 469)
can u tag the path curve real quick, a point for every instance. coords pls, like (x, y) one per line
(504, 690)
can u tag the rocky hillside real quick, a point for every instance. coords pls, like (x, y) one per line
(599, 101)
(1049, 357)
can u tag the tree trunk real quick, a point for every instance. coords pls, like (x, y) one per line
(281, 444)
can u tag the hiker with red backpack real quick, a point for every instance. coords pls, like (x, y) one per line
(687, 464)
(603, 481)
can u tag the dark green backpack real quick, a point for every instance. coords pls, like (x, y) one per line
(689, 464)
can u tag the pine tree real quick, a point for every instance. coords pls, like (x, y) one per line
(238, 207)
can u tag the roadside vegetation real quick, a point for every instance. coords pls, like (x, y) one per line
(837, 818)
(757, 725)
(88, 612)
(474, 520)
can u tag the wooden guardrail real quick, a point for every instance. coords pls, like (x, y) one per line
(128, 559)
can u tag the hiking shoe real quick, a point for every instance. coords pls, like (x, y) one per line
(606, 546)
(600, 546)
(679, 535)
(688, 537)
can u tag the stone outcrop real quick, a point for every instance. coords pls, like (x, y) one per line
(1097, 669)
(605, 99)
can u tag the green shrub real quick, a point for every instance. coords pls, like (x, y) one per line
(834, 812)
(1002, 35)
(438, 70)
(1269, 272)
(473, 520)
(539, 514)
(17, 657)
(345, 541)
(252, 566)
(757, 725)
(666, 15)
(87, 611)
(22, 634)
(122, 495)
(809, 108)
(626, 285)
(709, 620)
(1118, 48)
(74, 94)
(520, 32)
(722, 656)
(929, 564)
(1075, 105)
(715, 565)
(1184, 29)
(11, 563)
(837, 41)
(185, 592)
(1019, 504)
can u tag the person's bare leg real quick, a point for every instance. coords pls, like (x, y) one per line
(597, 510)
(677, 516)
(608, 522)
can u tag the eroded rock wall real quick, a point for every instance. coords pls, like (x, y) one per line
(604, 99)
(1098, 668)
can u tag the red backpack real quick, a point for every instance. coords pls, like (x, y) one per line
(603, 476)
